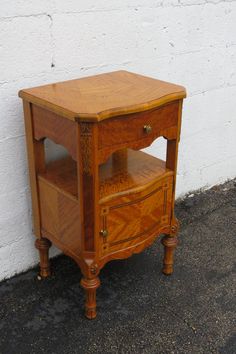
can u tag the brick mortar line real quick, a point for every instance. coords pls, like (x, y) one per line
(11, 137)
(179, 4)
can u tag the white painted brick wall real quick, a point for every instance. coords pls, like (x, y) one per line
(190, 42)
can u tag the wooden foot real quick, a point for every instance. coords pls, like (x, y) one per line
(90, 286)
(169, 242)
(43, 245)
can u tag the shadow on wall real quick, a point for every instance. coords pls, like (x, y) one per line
(54, 151)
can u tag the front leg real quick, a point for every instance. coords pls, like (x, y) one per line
(90, 286)
(169, 242)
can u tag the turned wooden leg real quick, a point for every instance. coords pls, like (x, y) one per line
(43, 245)
(90, 286)
(169, 242)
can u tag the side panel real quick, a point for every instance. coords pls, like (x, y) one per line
(60, 216)
(50, 125)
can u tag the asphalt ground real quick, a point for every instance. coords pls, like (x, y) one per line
(139, 309)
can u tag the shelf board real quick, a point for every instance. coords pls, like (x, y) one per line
(123, 173)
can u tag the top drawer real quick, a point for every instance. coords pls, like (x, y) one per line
(137, 130)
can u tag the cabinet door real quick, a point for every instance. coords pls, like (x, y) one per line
(131, 219)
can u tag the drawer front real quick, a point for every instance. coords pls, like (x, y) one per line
(132, 219)
(137, 130)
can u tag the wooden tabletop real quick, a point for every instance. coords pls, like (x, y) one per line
(103, 96)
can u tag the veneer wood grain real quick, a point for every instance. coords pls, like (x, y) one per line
(103, 96)
(107, 199)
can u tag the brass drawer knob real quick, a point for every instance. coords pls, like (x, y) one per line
(147, 129)
(104, 233)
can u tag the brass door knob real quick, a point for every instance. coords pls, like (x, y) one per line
(104, 233)
(147, 129)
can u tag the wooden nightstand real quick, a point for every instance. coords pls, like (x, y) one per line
(106, 200)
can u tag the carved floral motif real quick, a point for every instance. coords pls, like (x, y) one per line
(86, 147)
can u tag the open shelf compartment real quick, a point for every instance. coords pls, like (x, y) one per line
(123, 172)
